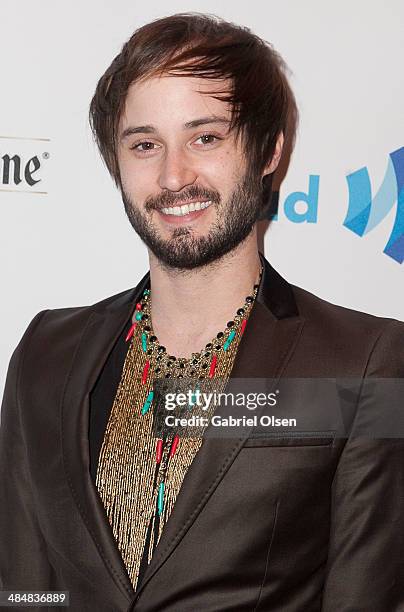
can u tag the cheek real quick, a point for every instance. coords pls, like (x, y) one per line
(218, 172)
(225, 177)
(230, 167)
(135, 180)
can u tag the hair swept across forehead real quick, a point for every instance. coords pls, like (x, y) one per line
(202, 46)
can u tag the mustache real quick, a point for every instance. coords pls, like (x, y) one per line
(171, 199)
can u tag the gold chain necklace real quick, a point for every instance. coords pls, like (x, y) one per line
(139, 475)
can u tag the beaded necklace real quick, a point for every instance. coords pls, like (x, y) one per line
(140, 472)
(206, 360)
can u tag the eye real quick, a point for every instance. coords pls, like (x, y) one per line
(147, 144)
(205, 137)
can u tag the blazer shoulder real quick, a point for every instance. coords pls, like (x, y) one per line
(51, 339)
(59, 329)
(77, 316)
(352, 341)
(316, 309)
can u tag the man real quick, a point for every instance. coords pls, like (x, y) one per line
(190, 119)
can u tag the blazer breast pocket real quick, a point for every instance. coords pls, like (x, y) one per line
(296, 438)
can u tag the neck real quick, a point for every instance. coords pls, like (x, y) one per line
(189, 307)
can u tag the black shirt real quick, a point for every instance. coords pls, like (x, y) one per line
(102, 397)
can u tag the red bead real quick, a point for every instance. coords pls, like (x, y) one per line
(130, 332)
(138, 306)
(145, 371)
(212, 366)
(243, 324)
(159, 451)
(174, 446)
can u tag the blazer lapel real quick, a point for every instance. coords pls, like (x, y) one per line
(267, 344)
(99, 336)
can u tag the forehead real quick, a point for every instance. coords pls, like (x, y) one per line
(173, 98)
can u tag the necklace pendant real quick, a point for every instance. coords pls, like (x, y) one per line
(159, 451)
(229, 340)
(130, 332)
(147, 403)
(160, 499)
(242, 328)
(174, 446)
(145, 372)
(212, 366)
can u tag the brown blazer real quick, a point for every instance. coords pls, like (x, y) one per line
(293, 523)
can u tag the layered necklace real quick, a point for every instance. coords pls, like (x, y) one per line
(141, 466)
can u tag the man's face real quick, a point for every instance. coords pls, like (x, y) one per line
(184, 175)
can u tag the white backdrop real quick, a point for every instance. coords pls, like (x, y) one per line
(71, 244)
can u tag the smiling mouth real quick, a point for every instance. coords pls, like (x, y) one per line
(185, 209)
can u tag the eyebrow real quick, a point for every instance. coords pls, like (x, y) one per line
(150, 129)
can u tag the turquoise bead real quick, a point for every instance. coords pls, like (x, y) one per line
(147, 403)
(138, 316)
(144, 342)
(146, 292)
(229, 340)
(160, 499)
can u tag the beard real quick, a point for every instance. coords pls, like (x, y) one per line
(235, 220)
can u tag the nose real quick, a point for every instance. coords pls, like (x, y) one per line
(176, 171)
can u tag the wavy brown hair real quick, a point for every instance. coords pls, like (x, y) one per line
(205, 46)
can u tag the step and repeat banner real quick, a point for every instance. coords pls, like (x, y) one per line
(339, 231)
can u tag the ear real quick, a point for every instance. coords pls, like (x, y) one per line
(273, 163)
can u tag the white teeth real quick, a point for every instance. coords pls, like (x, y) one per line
(185, 209)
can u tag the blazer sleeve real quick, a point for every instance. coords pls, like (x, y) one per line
(24, 562)
(365, 569)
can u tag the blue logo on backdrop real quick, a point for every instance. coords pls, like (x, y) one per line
(364, 211)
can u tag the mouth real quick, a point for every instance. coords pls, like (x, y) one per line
(185, 209)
